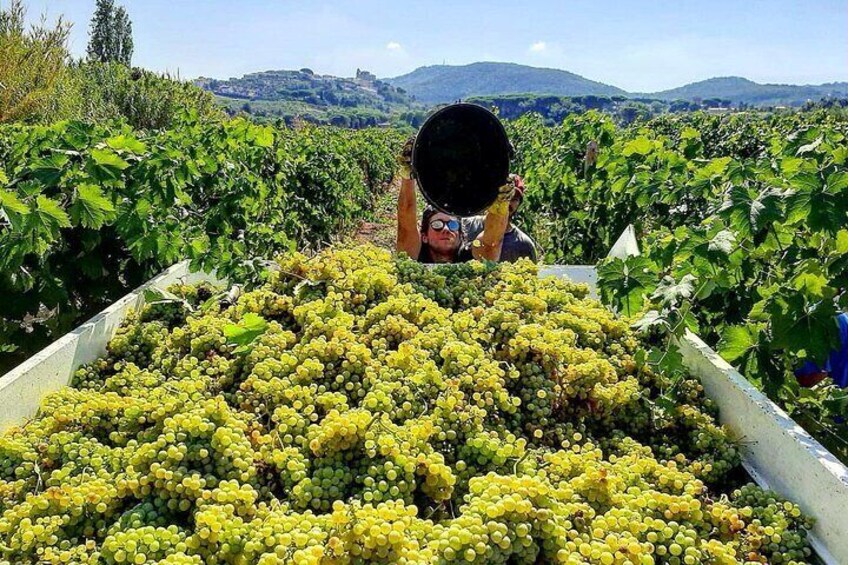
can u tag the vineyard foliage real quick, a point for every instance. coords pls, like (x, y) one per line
(90, 211)
(742, 224)
(740, 219)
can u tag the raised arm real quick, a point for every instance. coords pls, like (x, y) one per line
(408, 237)
(488, 244)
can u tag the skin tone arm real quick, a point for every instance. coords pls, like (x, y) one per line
(408, 237)
(488, 244)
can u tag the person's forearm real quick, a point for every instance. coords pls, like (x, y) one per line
(408, 238)
(494, 228)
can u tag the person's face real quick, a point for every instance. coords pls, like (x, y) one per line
(513, 205)
(444, 240)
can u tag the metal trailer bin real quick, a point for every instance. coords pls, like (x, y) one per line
(776, 451)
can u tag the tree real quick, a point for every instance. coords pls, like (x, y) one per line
(123, 31)
(33, 64)
(110, 39)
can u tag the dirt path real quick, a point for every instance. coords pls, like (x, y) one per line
(382, 230)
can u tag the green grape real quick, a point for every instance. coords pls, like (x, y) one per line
(387, 413)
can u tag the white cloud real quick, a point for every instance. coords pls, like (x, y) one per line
(394, 46)
(538, 47)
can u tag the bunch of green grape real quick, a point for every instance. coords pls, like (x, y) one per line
(361, 408)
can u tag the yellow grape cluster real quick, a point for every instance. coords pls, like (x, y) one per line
(362, 408)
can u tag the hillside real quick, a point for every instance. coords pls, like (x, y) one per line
(365, 100)
(359, 101)
(741, 90)
(446, 83)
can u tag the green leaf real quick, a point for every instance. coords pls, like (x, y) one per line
(10, 203)
(638, 146)
(837, 182)
(736, 341)
(799, 327)
(650, 320)
(50, 213)
(812, 205)
(90, 208)
(249, 328)
(107, 165)
(49, 170)
(254, 322)
(842, 241)
(716, 166)
(108, 159)
(747, 212)
(265, 137)
(806, 182)
(689, 133)
(723, 242)
(624, 283)
(836, 402)
(669, 361)
(811, 282)
(125, 143)
(156, 295)
(810, 147)
(671, 292)
(840, 155)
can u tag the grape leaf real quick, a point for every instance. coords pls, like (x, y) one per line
(49, 170)
(242, 334)
(626, 282)
(748, 212)
(264, 137)
(736, 341)
(723, 242)
(126, 143)
(811, 282)
(50, 213)
(90, 208)
(671, 292)
(813, 205)
(842, 242)
(9, 202)
(802, 328)
(107, 165)
(837, 182)
(650, 320)
(638, 146)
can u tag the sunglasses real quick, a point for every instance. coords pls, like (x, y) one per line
(439, 225)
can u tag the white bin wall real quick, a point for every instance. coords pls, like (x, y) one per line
(22, 388)
(778, 453)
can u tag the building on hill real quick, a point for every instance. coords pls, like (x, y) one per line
(365, 76)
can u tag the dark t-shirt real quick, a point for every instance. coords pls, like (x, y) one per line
(516, 243)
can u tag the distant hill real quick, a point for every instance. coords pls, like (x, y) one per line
(365, 100)
(359, 101)
(741, 90)
(445, 83)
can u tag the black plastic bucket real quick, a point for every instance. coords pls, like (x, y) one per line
(461, 158)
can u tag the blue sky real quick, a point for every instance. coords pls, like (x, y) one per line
(636, 45)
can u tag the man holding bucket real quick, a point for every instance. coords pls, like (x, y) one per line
(460, 159)
(439, 238)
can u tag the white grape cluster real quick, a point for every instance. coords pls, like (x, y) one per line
(359, 408)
